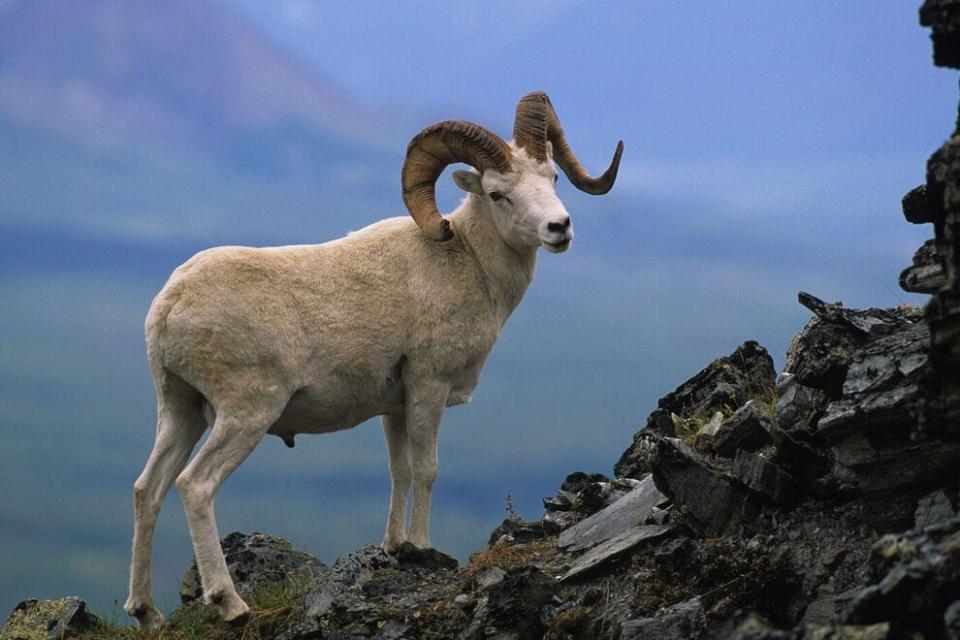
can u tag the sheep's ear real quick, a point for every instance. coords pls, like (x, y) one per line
(549, 149)
(468, 181)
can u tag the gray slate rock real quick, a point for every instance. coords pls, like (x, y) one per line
(925, 274)
(914, 580)
(916, 205)
(709, 501)
(600, 495)
(614, 547)
(799, 407)
(677, 622)
(746, 429)
(573, 485)
(934, 509)
(725, 384)
(765, 478)
(514, 529)
(553, 522)
(35, 619)
(254, 561)
(626, 513)
(409, 555)
(818, 356)
(943, 18)
(350, 570)
(881, 387)
(511, 608)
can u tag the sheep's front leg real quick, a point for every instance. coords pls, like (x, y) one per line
(398, 449)
(424, 408)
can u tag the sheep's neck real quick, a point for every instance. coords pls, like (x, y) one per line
(506, 270)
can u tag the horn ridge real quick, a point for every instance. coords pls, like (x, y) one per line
(536, 123)
(428, 154)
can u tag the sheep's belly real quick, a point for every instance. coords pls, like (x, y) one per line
(316, 410)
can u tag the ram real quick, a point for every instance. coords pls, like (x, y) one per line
(394, 320)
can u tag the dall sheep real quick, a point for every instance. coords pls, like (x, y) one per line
(395, 320)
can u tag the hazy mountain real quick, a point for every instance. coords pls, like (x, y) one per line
(169, 119)
(185, 70)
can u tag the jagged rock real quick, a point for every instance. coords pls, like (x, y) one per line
(253, 561)
(514, 529)
(577, 481)
(724, 385)
(678, 622)
(926, 274)
(746, 429)
(818, 357)
(943, 17)
(951, 621)
(563, 501)
(511, 608)
(370, 593)
(872, 428)
(626, 513)
(348, 571)
(799, 407)
(750, 626)
(409, 555)
(755, 627)
(765, 478)
(599, 495)
(914, 579)
(710, 428)
(710, 503)
(803, 459)
(35, 619)
(553, 522)
(933, 509)
(916, 205)
(573, 486)
(880, 388)
(614, 547)
(490, 577)
(864, 321)
(635, 461)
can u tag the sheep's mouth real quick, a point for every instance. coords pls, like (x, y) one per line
(556, 247)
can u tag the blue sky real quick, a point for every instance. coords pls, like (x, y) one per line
(768, 145)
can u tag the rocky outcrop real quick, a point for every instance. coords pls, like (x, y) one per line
(762, 517)
(940, 205)
(255, 561)
(54, 619)
(723, 386)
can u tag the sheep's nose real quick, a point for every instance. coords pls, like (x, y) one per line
(559, 227)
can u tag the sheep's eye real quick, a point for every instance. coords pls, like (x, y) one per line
(556, 177)
(496, 196)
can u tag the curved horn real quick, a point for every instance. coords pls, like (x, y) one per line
(536, 122)
(430, 151)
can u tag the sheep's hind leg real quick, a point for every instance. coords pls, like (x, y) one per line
(179, 426)
(398, 449)
(238, 429)
(424, 404)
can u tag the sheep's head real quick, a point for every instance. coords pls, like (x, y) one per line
(517, 180)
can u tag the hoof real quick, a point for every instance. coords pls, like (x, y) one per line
(239, 620)
(391, 546)
(148, 616)
(231, 607)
